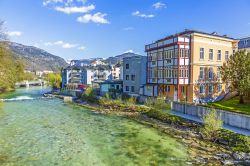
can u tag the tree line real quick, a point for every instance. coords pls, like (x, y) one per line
(12, 70)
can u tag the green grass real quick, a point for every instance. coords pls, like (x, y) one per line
(232, 105)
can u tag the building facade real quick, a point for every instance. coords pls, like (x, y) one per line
(117, 71)
(111, 87)
(85, 75)
(76, 75)
(134, 74)
(244, 44)
(185, 66)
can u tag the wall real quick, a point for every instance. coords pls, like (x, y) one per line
(137, 67)
(229, 118)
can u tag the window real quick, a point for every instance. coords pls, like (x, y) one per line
(187, 53)
(154, 72)
(182, 53)
(211, 54)
(210, 89)
(153, 62)
(201, 53)
(127, 66)
(186, 73)
(127, 88)
(132, 77)
(132, 89)
(160, 55)
(117, 87)
(127, 77)
(245, 42)
(210, 73)
(168, 61)
(202, 89)
(201, 72)
(160, 73)
(219, 55)
(182, 89)
(226, 55)
(167, 88)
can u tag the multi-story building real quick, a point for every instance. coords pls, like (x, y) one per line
(244, 44)
(185, 66)
(85, 75)
(134, 74)
(117, 71)
(76, 75)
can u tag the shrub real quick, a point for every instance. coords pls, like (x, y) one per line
(212, 126)
(118, 101)
(131, 101)
(157, 104)
(89, 95)
(237, 141)
(153, 113)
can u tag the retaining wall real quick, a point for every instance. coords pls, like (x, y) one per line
(229, 118)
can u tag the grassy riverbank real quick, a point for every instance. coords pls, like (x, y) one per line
(188, 132)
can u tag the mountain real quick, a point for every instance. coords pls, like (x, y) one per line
(36, 59)
(119, 58)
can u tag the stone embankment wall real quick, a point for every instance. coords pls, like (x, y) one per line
(229, 118)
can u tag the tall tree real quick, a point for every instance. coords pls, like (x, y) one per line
(236, 73)
(11, 69)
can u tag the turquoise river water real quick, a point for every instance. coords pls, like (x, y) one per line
(43, 132)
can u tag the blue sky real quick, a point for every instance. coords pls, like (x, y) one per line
(78, 29)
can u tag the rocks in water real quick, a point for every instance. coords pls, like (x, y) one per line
(239, 156)
(223, 155)
(228, 162)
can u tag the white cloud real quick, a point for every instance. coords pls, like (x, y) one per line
(138, 14)
(67, 45)
(14, 33)
(128, 28)
(70, 10)
(81, 48)
(96, 18)
(61, 44)
(63, 2)
(159, 5)
(46, 2)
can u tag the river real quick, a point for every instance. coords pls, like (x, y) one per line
(41, 131)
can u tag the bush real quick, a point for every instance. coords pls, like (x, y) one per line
(153, 113)
(131, 101)
(118, 101)
(234, 140)
(157, 104)
(212, 126)
(89, 95)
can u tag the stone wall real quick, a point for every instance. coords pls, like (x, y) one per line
(229, 118)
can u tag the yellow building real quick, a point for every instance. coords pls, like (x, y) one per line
(185, 66)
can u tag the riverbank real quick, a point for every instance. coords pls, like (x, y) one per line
(230, 148)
